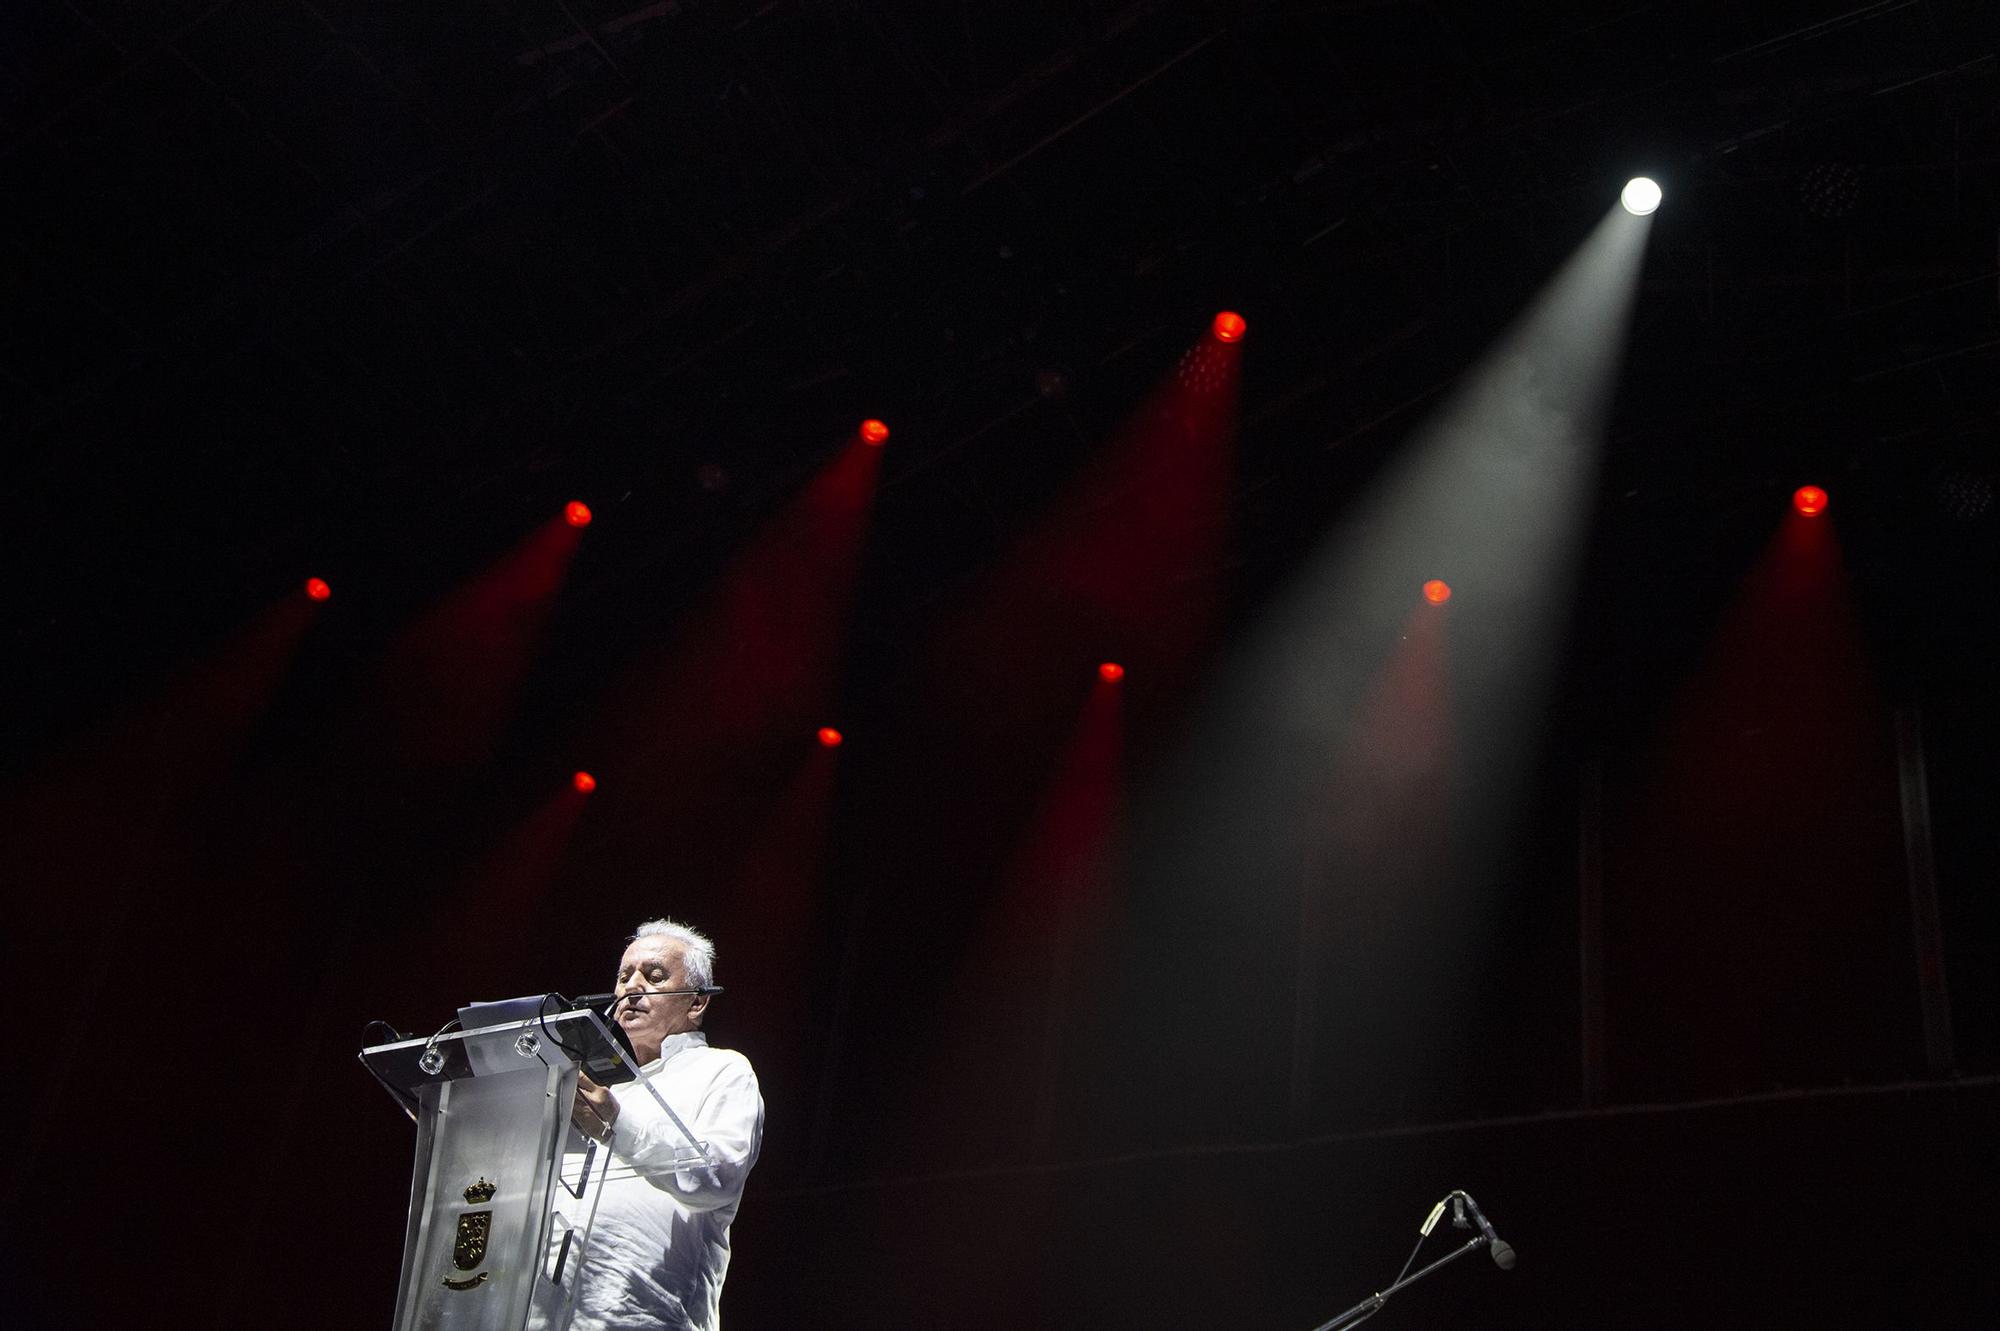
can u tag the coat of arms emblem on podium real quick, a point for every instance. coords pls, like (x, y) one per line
(468, 1250)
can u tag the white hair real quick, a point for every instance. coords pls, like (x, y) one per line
(697, 952)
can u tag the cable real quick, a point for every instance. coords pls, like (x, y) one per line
(542, 1020)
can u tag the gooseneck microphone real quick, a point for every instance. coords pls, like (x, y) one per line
(601, 1001)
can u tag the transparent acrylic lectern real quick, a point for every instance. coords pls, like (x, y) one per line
(504, 1190)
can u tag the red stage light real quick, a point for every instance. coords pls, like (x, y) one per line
(576, 513)
(1437, 591)
(584, 783)
(1229, 326)
(1111, 672)
(317, 589)
(874, 432)
(1809, 500)
(829, 738)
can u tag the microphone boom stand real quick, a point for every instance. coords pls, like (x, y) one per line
(1371, 1305)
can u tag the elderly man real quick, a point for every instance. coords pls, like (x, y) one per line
(659, 1246)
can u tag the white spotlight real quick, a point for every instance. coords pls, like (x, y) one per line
(1641, 196)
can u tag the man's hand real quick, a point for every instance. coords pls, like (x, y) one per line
(594, 1111)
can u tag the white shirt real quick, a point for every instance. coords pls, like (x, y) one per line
(659, 1245)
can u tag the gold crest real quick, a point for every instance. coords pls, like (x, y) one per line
(470, 1248)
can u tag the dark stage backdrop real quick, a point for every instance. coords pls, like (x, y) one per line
(966, 1133)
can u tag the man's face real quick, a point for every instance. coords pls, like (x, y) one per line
(649, 966)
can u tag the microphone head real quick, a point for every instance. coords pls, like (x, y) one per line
(1503, 1254)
